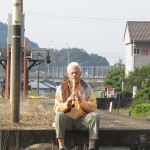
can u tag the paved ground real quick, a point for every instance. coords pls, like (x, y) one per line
(115, 120)
(39, 114)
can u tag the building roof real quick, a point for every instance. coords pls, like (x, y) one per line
(34, 85)
(139, 31)
(42, 85)
(3, 54)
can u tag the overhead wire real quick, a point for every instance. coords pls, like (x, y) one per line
(91, 19)
(84, 19)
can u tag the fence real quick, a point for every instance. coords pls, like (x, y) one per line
(104, 103)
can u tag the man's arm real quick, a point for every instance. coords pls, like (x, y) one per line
(61, 106)
(90, 105)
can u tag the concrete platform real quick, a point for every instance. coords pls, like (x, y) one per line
(46, 146)
(75, 140)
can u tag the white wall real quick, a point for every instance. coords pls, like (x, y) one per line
(141, 60)
(128, 59)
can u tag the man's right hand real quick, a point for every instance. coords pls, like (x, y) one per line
(69, 100)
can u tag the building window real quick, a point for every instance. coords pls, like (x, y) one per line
(136, 51)
(144, 51)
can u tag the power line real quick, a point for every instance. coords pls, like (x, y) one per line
(63, 17)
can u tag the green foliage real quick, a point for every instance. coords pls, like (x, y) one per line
(126, 94)
(114, 76)
(137, 77)
(142, 96)
(146, 83)
(60, 57)
(141, 109)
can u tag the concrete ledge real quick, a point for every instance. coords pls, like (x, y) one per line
(77, 140)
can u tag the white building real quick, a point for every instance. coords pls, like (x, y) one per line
(137, 44)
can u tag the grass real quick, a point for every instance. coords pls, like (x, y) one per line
(128, 112)
(34, 114)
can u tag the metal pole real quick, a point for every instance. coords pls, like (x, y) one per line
(118, 103)
(8, 74)
(9, 43)
(15, 60)
(48, 52)
(25, 83)
(68, 53)
(38, 79)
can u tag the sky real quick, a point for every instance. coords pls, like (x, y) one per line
(96, 26)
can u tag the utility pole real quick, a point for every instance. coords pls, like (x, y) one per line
(68, 53)
(38, 78)
(48, 55)
(25, 73)
(15, 60)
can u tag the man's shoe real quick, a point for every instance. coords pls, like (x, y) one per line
(62, 149)
(91, 149)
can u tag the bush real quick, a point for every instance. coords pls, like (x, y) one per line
(141, 102)
(126, 94)
(142, 96)
(141, 108)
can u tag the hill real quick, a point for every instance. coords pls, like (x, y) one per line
(60, 57)
(3, 37)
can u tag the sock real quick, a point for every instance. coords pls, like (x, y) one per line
(61, 145)
(91, 145)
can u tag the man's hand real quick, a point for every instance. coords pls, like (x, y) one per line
(69, 100)
(77, 96)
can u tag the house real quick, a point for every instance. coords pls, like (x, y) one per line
(137, 44)
(43, 86)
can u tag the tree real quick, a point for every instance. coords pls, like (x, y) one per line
(138, 77)
(114, 76)
(146, 83)
(60, 57)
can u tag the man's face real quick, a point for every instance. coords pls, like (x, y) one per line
(74, 73)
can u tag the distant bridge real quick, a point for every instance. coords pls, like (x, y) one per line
(58, 73)
(54, 73)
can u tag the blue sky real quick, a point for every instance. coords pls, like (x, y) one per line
(96, 26)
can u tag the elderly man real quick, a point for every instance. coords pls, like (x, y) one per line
(75, 104)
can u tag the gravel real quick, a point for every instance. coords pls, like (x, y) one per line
(39, 114)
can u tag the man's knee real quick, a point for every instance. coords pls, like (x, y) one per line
(94, 115)
(95, 118)
(59, 116)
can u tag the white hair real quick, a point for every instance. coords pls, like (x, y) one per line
(73, 64)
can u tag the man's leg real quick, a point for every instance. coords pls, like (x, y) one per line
(92, 144)
(62, 124)
(61, 143)
(93, 129)
(90, 122)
